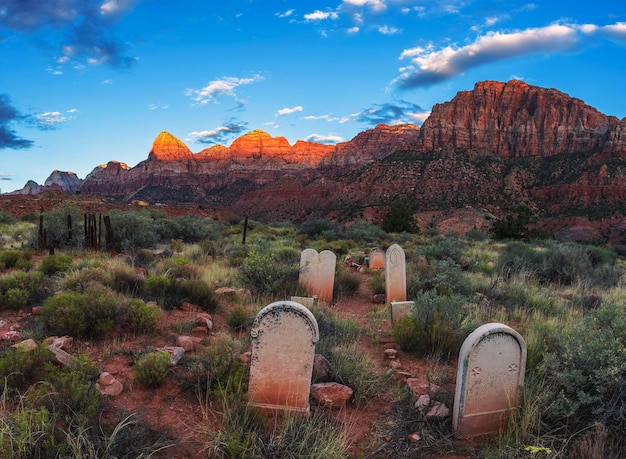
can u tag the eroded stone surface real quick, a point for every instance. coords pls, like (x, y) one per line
(284, 334)
(395, 273)
(317, 273)
(490, 374)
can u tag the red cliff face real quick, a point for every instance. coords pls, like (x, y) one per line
(514, 119)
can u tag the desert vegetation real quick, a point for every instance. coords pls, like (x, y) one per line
(567, 300)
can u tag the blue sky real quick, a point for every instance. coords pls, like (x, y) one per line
(83, 82)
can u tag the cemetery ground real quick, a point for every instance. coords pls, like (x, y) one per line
(145, 298)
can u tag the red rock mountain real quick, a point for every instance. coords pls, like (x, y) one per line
(496, 146)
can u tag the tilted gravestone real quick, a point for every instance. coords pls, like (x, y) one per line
(317, 273)
(401, 309)
(376, 258)
(492, 362)
(284, 334)
(395, 274)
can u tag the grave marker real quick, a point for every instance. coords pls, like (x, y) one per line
(492, 362)
(317, 273)
(284, 334)
(395, 274)
(377, 258)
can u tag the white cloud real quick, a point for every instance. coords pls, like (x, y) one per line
(420, 117)
(386, 30)
(107, 81)
(289, 111)
(376, 5)
(219, 88)
(429, 66)
(286, 14)
(353, 30)
(200, 135)
(318, 138)
(50, 119)
(320, 117)
(318, 15)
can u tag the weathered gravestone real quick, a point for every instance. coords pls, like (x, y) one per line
(395, 274)
(377, 258)
(284, 334)
(489, 378)
(400, 309)
(317, 273)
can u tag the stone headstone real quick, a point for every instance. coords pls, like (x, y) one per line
(400, 309)
(395, 274)
(317, 273)
(377, 258)
(284, 334)
(307, 301)
(489, 378)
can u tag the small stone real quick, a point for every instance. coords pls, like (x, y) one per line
(108, 385)
(438, 411)
(395, 364)
(186, 342)
(200, 331)
(189, 307)
(205, 321)
(414, 437)
(36, 310)
(331, 395)
(322, 368)
(61, 356)
(423, 402)
(11, 335)
(176, 353)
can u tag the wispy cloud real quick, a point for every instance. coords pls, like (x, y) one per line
(399, 112)
(326, 139)
(217, 89)
(289, 111)
(72, 28)
(286, 14)
(388, 30)
(318, 15)
(221, 134)
(8, 116)
(376, 5)
(328, 118)
(429, 65)
(4, 176)
(52, 119)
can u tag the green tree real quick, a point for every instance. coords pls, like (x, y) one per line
(399, 219)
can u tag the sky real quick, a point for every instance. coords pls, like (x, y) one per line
(84, 82)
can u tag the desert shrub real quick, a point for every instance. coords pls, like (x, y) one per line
(58, 233)
(346, 284)
(79, 280)
(443, 276)
(443, 248)
(334, 331)
(15, 298)
(151, 369)
(19, 369)
(90, 314)
(587, 372)
(127, 281)
(70, 392)
(518, 257)
(215, 367)
(143, 317)
(133, 230)
(261, 272)
(314, 227)
(238, 319)
(437, 325)
(179, 268)
(364, 232)
(196, 292)
(53, 264)
(63, 314)
(377, 282)
(399, 219)
(144, 258)
(10, 258)
(407, 334)
(156, 287)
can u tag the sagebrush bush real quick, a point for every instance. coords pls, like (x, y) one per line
(10, 258)
(376, 282)
(157, 286)
(238, 319)
(127, 281)
(79, 280)
(28, 433)
(19, 368)
(261, 272)
(53, 264)
(90, 314)
(587, 372)
(151, 369)
(15, 298)
(346, 284)
(142, 316)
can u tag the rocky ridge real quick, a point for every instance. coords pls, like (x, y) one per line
(498, 145)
